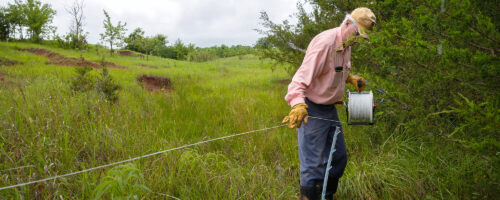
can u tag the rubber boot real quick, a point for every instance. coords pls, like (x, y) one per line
(310, 193)
(331, 188)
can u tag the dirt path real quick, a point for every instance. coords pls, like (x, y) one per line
(58, 59)
(6, 62)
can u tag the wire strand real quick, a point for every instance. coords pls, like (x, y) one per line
(136, 158)
(151, 154)
(327, 119)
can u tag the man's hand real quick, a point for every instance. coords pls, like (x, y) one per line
(357, 81)
(298, 113)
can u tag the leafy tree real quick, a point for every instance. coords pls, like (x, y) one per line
(134, 40)
(17, 18)
(4, 24)
(113, 35)
(440, 57)
(152, 45)
(182, 50)
(38, 17)
(167, 52)
(263, 43)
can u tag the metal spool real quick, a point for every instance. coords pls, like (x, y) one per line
(360, 108)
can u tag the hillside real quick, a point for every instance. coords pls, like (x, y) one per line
(49, 128)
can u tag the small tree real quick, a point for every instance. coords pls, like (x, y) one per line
(152, 45)
(113, 35)
(182, 50)
(38, 17)
(78, 37)
(107, 86)
(135, 40)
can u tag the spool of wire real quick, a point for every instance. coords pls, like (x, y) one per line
(359, 107)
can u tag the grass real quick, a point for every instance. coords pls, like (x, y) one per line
(53, 130)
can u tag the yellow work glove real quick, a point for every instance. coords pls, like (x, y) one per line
(298, 113)
(357, 81)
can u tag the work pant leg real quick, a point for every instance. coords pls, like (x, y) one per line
(339, 159)
(315, 139)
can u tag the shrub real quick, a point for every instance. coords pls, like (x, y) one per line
(83, 81)
(107, 87)
(202, 56)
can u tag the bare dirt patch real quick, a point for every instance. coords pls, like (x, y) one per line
(129, 54)
(155, 83)
(58, 59)
(6, 62)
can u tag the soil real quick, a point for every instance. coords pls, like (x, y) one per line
(6, 62)
(58, 59)
(155, 83)
(129, 53)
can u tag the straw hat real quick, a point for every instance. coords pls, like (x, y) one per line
(365, 19)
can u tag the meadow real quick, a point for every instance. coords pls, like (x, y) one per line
(48, 129)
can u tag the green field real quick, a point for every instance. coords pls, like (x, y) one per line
(47, 129)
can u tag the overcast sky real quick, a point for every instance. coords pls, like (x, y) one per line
(202, 22)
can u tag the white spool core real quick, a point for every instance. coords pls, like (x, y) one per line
(360, 106)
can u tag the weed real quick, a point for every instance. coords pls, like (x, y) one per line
(122, 182)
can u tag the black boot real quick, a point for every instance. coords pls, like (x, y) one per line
(310, 193)
(331, 188)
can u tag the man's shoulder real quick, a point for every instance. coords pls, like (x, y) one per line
(325, 38)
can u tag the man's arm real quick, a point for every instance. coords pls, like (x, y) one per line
(312, 66)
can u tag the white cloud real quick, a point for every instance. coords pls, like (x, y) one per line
(202, 22)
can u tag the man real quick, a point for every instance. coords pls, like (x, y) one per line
(315, 87)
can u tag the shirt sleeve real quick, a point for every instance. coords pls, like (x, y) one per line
(312, 66)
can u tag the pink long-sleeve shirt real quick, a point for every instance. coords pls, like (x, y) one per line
(316, 78)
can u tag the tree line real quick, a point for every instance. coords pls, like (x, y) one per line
(158, 45)
(34, 18)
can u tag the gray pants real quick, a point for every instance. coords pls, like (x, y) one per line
(315, 140)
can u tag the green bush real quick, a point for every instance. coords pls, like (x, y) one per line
(201, 56)
(107, 87)
(83, 81)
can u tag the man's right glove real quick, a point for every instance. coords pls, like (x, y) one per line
(357, 81)
(298, 113)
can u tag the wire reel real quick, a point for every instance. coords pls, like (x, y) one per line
(360, 108)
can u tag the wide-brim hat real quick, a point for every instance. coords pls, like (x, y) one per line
(365, 19)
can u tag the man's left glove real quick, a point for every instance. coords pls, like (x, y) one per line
(298, 113)
(357, 81)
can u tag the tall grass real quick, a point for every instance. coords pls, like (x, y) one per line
(44, 124)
